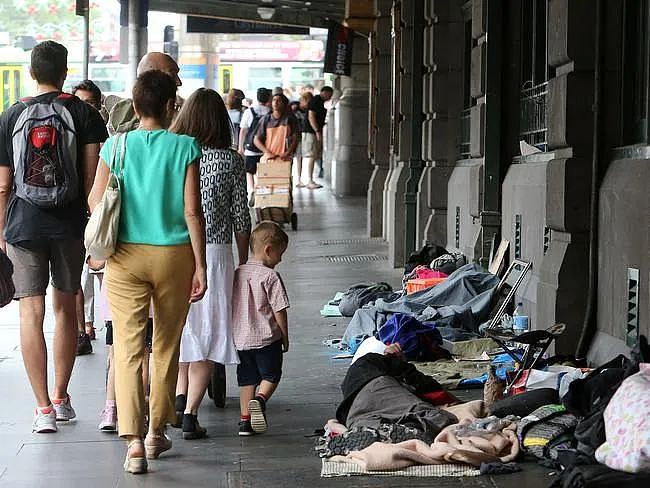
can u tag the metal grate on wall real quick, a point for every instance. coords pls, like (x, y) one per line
(547, 238)
(355, 258)
(632, 322)
(457, 235)
(343, 242)
(517, 236)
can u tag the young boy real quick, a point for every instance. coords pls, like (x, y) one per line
(260, 325)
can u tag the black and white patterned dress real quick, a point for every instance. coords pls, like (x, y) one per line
(208, 331)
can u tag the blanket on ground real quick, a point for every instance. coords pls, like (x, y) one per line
(449, 447)
(462, 301)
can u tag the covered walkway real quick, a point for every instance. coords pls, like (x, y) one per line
(81, 456)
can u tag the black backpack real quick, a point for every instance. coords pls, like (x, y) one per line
(249, 143)
(7, 289)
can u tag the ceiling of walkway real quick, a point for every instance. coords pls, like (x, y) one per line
(314, 13)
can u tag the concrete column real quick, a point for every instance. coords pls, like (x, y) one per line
(380, 115)
(404, 178)
(350, 164)
(562, 292)
(137, 36)
(443, 100)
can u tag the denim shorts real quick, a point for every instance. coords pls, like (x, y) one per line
(256, 365)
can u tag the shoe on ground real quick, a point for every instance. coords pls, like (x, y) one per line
(64, 410)
(108, 419)
(257, 409)
(191, 428)
(44, 422)
(156, 444)
(83, 345)
(135, 464)
(245, 428)
(181, 403)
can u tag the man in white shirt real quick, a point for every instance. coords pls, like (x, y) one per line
(249, 123)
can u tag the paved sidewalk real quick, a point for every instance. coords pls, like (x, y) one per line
(81, 456)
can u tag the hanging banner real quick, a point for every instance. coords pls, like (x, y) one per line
(338, 54)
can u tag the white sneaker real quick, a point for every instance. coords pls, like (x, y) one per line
(64, 410)
(44, 422)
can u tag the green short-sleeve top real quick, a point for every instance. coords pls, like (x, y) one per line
(153, 182)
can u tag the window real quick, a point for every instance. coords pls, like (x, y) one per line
(301, 75)
(465, 115)
(635, 71)
(535, 72)
(264, 77)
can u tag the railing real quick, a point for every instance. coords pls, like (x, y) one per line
(465, 133)
(532, 121)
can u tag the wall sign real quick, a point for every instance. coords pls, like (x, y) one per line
(338, 54)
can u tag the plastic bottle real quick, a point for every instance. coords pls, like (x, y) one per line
(519, 321)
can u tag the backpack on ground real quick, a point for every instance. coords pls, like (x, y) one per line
(45, 153)
(249, 140)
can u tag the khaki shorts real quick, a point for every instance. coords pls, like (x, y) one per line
(34, 260)
(311, 147)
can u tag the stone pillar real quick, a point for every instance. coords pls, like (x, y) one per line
(137, 36)
(380, 115)
(349, 165)
(443, 75)
(562, 293)
(404, 178)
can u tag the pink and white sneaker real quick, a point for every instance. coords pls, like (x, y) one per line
(108, 419)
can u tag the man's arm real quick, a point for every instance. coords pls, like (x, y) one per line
(90, 159)
(6, 185)
(262, 147)
(314, 124)
(242, 137)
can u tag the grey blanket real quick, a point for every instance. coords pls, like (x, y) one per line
(386, 401)
(463, 300)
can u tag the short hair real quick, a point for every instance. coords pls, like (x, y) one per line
(263, 95)
(268, 233)
(49, 62)
(327, 89)
(306, 97)
(204, 117)
(151, 93)
(89, 86)
(283, 98)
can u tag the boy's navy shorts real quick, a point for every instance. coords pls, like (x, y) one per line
(256, 365)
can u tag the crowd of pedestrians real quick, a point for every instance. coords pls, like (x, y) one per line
(170, 294)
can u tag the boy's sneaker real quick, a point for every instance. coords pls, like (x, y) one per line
(245, 428)
(64, 410)
(181, 403)
(257, 409)
(83, 344)
(108, 419)
(191, 428)
(44, 421)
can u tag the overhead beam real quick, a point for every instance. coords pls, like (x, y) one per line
(235, 11)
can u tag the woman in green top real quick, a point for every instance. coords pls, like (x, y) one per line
(160, 258)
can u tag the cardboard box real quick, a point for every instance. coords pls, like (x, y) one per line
(282, 200)
(274, 170)
(270, 181)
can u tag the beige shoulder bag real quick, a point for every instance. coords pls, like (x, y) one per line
(101, 232)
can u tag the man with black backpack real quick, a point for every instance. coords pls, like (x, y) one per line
(247, 130)
(49, 148)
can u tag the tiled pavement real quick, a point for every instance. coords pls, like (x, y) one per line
(80, 456)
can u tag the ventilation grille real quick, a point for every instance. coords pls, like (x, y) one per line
(517, 236)
(355, 258)
(547, 239)
(342, 242)
(457, 236)
(632, 322)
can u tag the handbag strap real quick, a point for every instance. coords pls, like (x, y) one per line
(118, 159)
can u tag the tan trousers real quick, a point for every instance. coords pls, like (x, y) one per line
(135, 275)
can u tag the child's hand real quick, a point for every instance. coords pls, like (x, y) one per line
(285, 345)
(95, 264)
